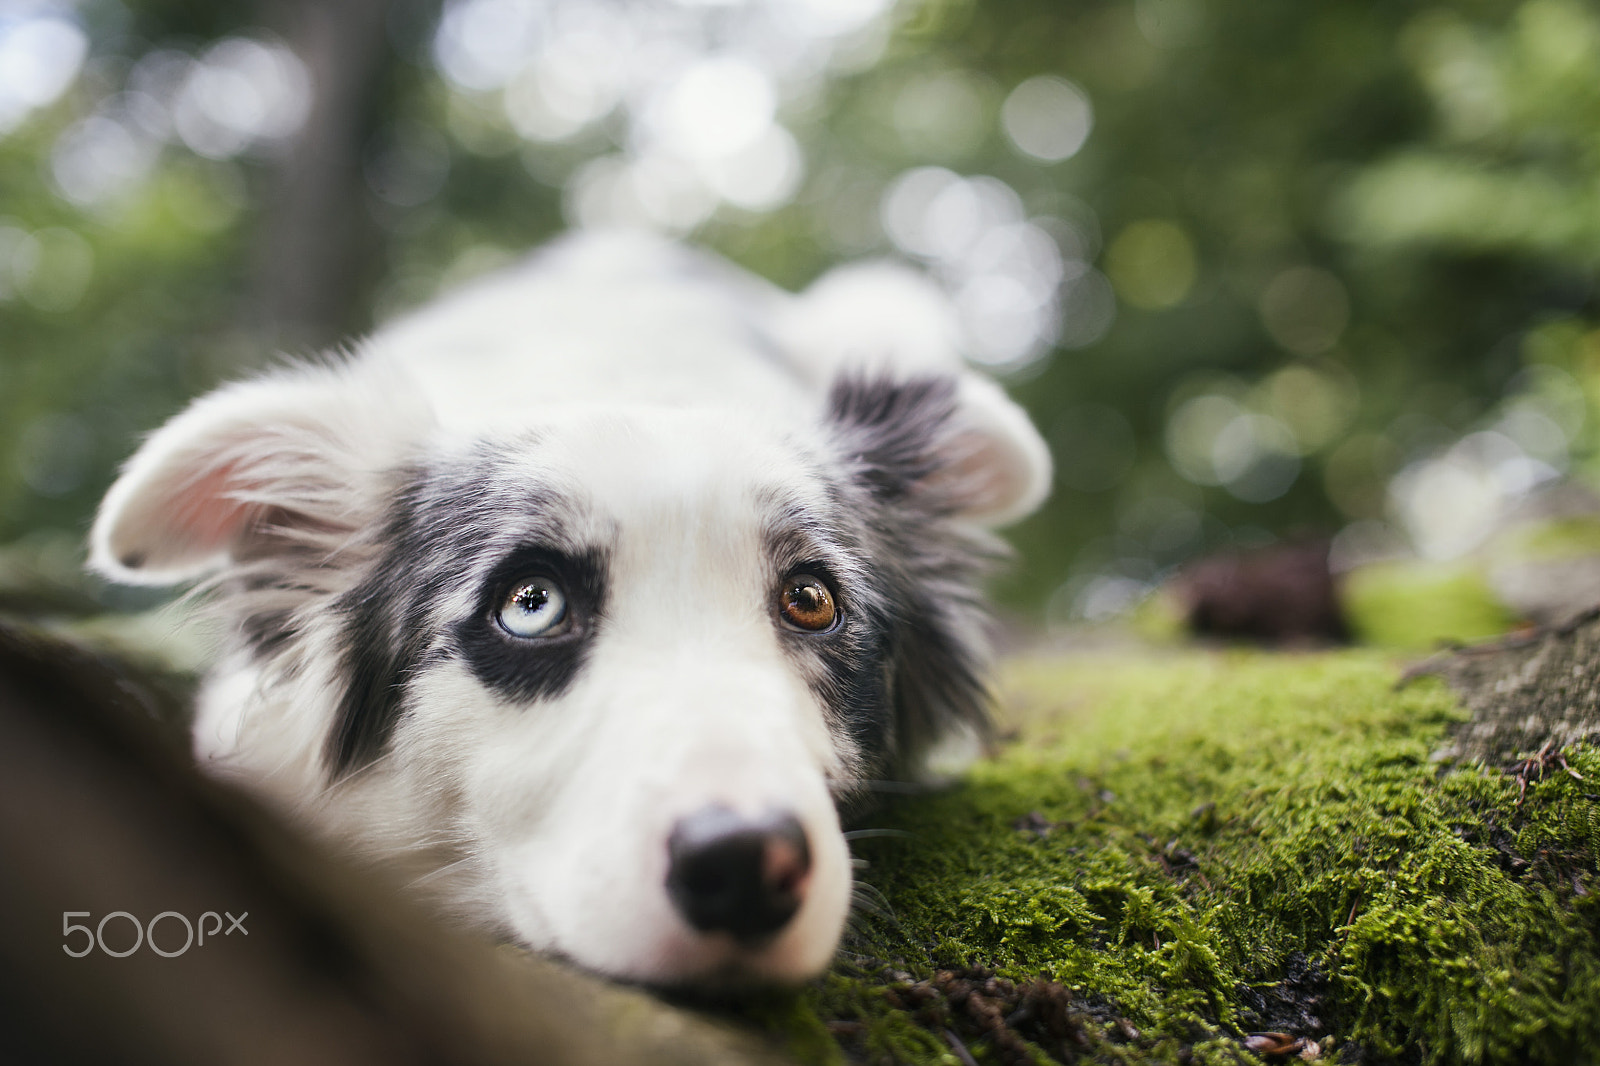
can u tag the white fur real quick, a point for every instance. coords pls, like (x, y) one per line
(664, 390)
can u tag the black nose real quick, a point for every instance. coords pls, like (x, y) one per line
(734, 874)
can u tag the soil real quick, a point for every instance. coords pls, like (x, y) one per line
(972, 1005)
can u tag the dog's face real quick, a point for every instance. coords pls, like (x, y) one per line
(643, 651)
(595, 677)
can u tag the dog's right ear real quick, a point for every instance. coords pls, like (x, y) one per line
(956, 442)
(248, 465)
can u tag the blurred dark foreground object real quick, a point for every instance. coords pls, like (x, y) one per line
(1281, 594)
(101, 812)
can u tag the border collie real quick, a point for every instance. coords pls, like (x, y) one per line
(580, 597)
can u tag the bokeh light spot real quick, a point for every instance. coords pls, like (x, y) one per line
(1255, 457)
(720, 106)
(1316, 403)
(481, 44)
(1192, 432)
(943, 115)
(100, 158)
(241, 92)
(1152, 264)
(1305, 310)
(39, 58)
(1047, 118)
(761, 176)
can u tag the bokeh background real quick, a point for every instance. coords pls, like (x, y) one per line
(1259, 271)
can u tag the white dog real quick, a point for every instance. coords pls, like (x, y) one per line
(581, 596)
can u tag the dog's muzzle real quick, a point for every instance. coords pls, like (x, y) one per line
(738, 875)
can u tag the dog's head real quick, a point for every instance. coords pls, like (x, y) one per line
(599, 681)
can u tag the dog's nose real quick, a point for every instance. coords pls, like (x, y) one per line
(735, 874)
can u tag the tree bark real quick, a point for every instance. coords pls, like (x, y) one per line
(319, 249)
(1528, 694)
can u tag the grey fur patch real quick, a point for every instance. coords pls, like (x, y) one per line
(469, 524)
(913, 668)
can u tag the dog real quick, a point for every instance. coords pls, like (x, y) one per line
(582, 597)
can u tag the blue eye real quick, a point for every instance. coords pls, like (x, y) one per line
(536, 608)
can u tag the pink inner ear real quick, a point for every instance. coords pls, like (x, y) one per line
(205, 514)
(980, 476)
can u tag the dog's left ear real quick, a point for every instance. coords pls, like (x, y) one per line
(953, 443)
(253, 469)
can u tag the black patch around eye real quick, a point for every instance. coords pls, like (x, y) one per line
(440, 523)
(523, 669)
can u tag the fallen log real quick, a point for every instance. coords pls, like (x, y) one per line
(149, 914)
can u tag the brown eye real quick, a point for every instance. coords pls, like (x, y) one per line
(807, 604)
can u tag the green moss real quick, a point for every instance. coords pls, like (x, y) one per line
(1170, 837)
(1419, 605)
(1567, 538)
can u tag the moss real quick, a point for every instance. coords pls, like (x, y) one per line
(1419, 605)
(1206, 845)
(1159, 618)
(1566, 538)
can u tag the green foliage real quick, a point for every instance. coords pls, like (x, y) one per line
(1209, 817)
(1365, 222)
(1515, 149)
(123, 314)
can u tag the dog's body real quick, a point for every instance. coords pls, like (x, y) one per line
(580, 596)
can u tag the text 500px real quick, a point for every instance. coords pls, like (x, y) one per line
(194, 933)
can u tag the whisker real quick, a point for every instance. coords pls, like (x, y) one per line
(868, 906)
(903, 788)
(870, 899)
(423, 844)
(441, 871)
(331, 786)
(863, 909)
(858, 928)
(869, 834)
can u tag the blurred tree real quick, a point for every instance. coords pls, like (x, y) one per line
(319, 251)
